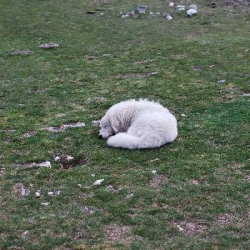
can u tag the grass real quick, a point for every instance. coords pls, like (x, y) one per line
(199, 196)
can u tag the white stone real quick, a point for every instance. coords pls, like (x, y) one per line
(193, 6)
(50, 193)
(98, 182)
(154, 171)
(180, 228)
(57, 158)
(169, 18)
(171, 4)
(45, 164)
(183, 115)
(45, 203)
(38, 193)
(69, 158)
(181, 7)
(192, 12)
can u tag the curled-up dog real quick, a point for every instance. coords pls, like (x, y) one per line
(138, 124)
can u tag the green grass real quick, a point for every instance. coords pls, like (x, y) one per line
(198, 199)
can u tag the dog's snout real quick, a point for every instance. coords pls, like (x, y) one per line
(100, 136)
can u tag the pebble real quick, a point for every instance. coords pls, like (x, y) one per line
(45, 203)
(69, 158)
(38, 193)
(221, 81)
(192, 12)
(98, 182)
(169, 18)
(181, 7)
(57, 158)
(171, 4)
(49, 45)
(193, 6)
(154, 171)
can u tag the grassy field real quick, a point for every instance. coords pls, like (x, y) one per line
(191, 194)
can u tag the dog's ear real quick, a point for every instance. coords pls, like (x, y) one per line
(115, 124)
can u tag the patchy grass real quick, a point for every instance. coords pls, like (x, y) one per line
(193, 193)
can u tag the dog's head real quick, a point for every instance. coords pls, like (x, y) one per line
(106, 129)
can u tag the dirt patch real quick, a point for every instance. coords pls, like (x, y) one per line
(192, 228)
(117, 233)
(22, 52)
(225, 219)
(30, 133)
(67, 162)
(158, 181)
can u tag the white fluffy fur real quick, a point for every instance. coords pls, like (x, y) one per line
(138, 124)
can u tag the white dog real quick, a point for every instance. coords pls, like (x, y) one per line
(138, 124)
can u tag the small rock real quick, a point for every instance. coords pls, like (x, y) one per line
(168, 17)
(79, 185)
(183, 115)
(130, 195)
(171, 4)
(98, 182)
(154, 171)
(57, 192)
(49, 45)
(153, 73)
(106, 55)
(25, 235)
(69, 158)
(246, 94)
(45, 203)
(57, 158)
(45, 164)
(191, 12)
(92, 175)
(193, 6)
(180, 228)
(142, 9)
(38, 193)
(180, 7)
(50, 193)
(222, 81)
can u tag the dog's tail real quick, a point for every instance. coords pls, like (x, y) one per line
(124, 140)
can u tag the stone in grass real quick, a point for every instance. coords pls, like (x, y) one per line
(180, 7)
(169, 17)
(38, 193)
(193, 6)
(22, 52)
(49, 46)
(98, 182)
(153, 73)
(171, 4)
(222, 81)
(142, 9)
(192, 12)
